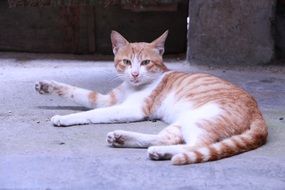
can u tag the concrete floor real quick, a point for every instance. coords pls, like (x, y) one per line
(36, 155)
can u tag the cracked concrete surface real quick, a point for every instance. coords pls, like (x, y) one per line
(36, 155)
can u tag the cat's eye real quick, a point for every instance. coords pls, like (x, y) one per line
(126, 62)
(145, 62)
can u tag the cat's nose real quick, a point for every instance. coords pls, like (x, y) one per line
(135, 74)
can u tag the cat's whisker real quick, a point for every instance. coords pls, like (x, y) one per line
(115, 78)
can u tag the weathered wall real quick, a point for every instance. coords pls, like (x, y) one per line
(46, 29)
(86, 28)
(230, 31)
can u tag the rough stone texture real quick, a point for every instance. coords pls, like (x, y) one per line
(230, 31)
(36, 155)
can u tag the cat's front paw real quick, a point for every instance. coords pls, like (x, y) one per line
(69, 120)
(158, 153)
(58, 121)
(43, 87)
(115, 139)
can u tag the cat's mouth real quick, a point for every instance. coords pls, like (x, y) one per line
(135, 81)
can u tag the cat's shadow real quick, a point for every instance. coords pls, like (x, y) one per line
(75, 108)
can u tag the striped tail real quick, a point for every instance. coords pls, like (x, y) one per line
(249, 140)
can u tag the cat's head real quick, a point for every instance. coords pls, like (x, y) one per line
(138, 63)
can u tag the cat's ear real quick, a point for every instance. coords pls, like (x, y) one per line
(118, 41)
(159, 42)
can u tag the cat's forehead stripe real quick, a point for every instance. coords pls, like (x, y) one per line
(133, 50)
(136, 52)
(140, 51)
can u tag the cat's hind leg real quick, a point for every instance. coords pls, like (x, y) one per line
(193, 136)
(129, 139)
(168, 136)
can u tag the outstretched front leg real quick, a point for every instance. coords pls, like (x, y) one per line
(117, 113)
(86, 98)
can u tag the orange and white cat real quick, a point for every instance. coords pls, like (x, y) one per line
(208, 118)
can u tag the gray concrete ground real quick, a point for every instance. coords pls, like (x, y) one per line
(36, 155)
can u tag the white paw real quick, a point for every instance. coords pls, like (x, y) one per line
(57, 120)
(158, 153)
(152, 153)
(115, 139)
